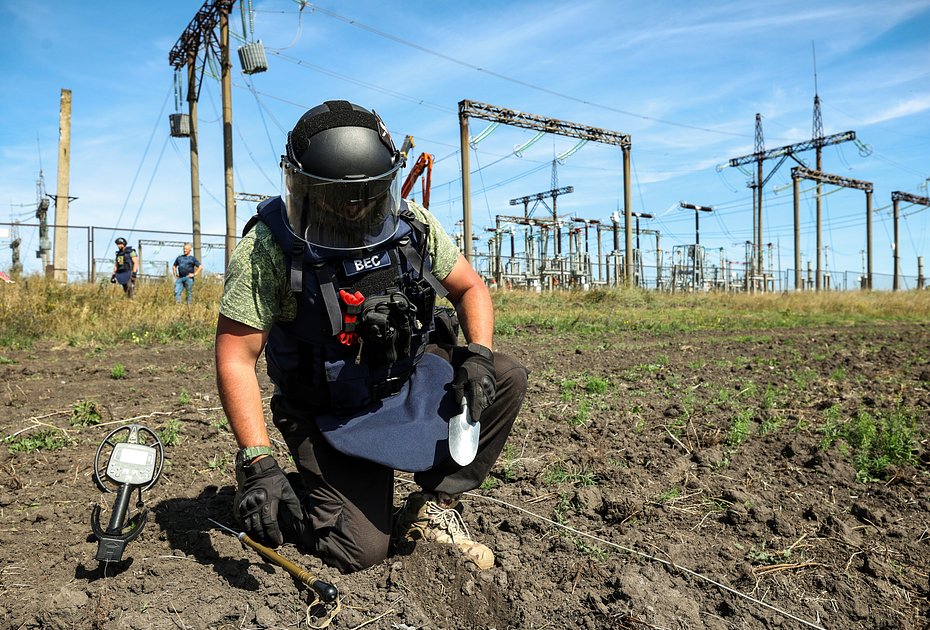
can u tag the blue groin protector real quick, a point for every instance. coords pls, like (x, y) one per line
(408, 431)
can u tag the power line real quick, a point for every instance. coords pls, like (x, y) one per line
(504, 77)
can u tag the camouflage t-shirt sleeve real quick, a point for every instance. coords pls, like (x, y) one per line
(442, 249)
(255, 291)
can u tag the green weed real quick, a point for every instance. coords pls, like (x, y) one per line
(219, 462)
(672, 493)
(739, 428)
(170, 434)
(184, 398)
(118, 371)
(85, 413)
(558, 473)
(48, 440)
(876, 441)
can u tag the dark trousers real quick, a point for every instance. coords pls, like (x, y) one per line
(351, 499)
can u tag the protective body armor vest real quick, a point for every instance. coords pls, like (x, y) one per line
(124, 259)
(363, 316)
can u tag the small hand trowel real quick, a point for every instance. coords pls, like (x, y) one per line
(463, 436)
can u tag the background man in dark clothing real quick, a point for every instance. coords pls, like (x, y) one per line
(125, 267)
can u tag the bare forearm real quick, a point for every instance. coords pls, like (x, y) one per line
(241, 399)
(476, 316)
(472, 302)
(237, 350)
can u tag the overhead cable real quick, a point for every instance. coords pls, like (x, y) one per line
(498, 75)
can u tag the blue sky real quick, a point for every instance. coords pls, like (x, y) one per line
(685, 79)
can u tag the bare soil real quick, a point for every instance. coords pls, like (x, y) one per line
(674, 481)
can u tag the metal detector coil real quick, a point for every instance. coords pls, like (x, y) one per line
(129, 458)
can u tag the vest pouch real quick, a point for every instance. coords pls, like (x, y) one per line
(347, 383)
(386, 325)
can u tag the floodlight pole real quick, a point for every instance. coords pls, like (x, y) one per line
(697, 213)
(638, 215)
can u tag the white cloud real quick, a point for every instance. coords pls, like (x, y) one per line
(901, 109)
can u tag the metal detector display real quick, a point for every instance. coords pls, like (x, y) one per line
(129, 458)
(132, 463)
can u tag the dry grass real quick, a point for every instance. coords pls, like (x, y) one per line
(34, 309)
(82, 314)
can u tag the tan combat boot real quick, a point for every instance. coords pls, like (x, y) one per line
(426, 516)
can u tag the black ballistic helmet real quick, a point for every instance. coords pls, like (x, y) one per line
(341, 177)
(120, 241)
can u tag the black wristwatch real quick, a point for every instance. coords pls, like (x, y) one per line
(482, 351)
(245, 455)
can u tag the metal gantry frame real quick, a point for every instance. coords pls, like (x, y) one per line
(897, 197)
(800, 172)
(492, 113)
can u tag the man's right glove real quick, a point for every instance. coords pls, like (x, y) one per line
(263, 490)
(476, 380)
(113, 279)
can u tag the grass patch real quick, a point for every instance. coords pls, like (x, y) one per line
(85, 413)
(118, 371)
(48, 440)
(170, 434)
(560, 473)
(876, 440)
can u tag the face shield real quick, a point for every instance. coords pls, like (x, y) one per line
(350, 213)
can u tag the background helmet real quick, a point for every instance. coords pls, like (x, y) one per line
(120, 241)
(341, 177)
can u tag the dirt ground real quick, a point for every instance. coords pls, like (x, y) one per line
(674, 481)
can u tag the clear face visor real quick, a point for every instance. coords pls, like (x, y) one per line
(341, 213)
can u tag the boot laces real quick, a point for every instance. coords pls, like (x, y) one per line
(448, 520)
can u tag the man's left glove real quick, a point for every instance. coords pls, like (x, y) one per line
(134, 275)
(113, 279)
(263, 489)
(476, 380)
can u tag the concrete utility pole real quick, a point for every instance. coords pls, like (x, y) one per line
(195, 153)
(227, 137)
(61, 199)
(516, 118)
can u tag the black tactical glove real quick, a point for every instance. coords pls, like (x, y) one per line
(263, 490)
(476, 380)
(133, 275)
(113, 279)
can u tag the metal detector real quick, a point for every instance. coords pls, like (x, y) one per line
(129, 458)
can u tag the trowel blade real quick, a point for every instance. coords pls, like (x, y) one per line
(463, 436)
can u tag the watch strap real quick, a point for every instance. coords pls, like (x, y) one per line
(482, 351)
(247, 454)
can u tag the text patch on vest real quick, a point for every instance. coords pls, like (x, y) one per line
(365, 264)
